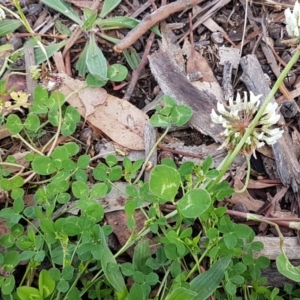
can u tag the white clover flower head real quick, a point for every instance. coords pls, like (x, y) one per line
(237, 117)
(2, 14)
(35, 72)
(292, 20)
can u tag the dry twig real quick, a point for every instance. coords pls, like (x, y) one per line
(160, 14)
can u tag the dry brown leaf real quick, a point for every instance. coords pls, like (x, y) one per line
(118, 119)
(118, 221)
(244, 198)
(256, 184)
(89, 102)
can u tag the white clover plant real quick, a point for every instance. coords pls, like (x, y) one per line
(2, 14)
(237, 118)
(293, 20)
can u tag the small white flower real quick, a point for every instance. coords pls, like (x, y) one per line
(237, 117)
(293, 20)
(2, 14)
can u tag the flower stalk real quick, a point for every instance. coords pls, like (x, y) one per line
(225, 164)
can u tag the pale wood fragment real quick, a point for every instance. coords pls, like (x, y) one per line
(288, 167)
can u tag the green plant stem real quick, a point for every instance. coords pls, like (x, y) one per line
(150, 154)
(26, 24)
(163, 282)
(77, 278)
(229, 159)
(58, 129)
(247, 177)
(196, 266)
(27, 144)
(132, 240)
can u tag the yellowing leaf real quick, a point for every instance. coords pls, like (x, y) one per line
(21, 98)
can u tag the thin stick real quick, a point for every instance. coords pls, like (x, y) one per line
(160, 14)
(136, 73)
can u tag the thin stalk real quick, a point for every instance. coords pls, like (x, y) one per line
(77, 278)
(143, 232)
(58, 130)
(27, 144)
(162, 284)
(229, 159)
(247, 177)
(150, 154)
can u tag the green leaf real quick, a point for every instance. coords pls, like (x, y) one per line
(186, 168)
(28, 293)
(207, 164)
(32, 122)
(11, 260)
(117, 22)
(95, 60)
(14, 124)
(81, 66)
(80, 189)
(64, 8)
(237, 279)
(100, 172)
(8, 285)
(89, 22)
(93, 81)
(117, 72)
(111, 160)
(132, 58)
(180, 293)
(167, 103)
(46, 284)
(115, 173)
(194, 203)
(62, 28)
(206, 283)
(114, 278)
(108, 6)
(83, 161)
(164, 182)
(59, 155)
(8, 26)
(67, 272)
(98, 190)
(72, 148)
(7, 240)
(63, 285)
(50, 50)
(43, 165)
(127, 269)
(230, 240)
(181, 114)
(159, 121)
(141, 254)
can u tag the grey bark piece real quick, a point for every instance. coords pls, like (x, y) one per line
(29, 62)
(174, 83)
(150, 140)
(287, 164)
(272, 247)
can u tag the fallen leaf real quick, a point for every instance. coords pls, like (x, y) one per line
(118, 221)
(91, 102)
(118, 119)
(244, 198)
(256, 184)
